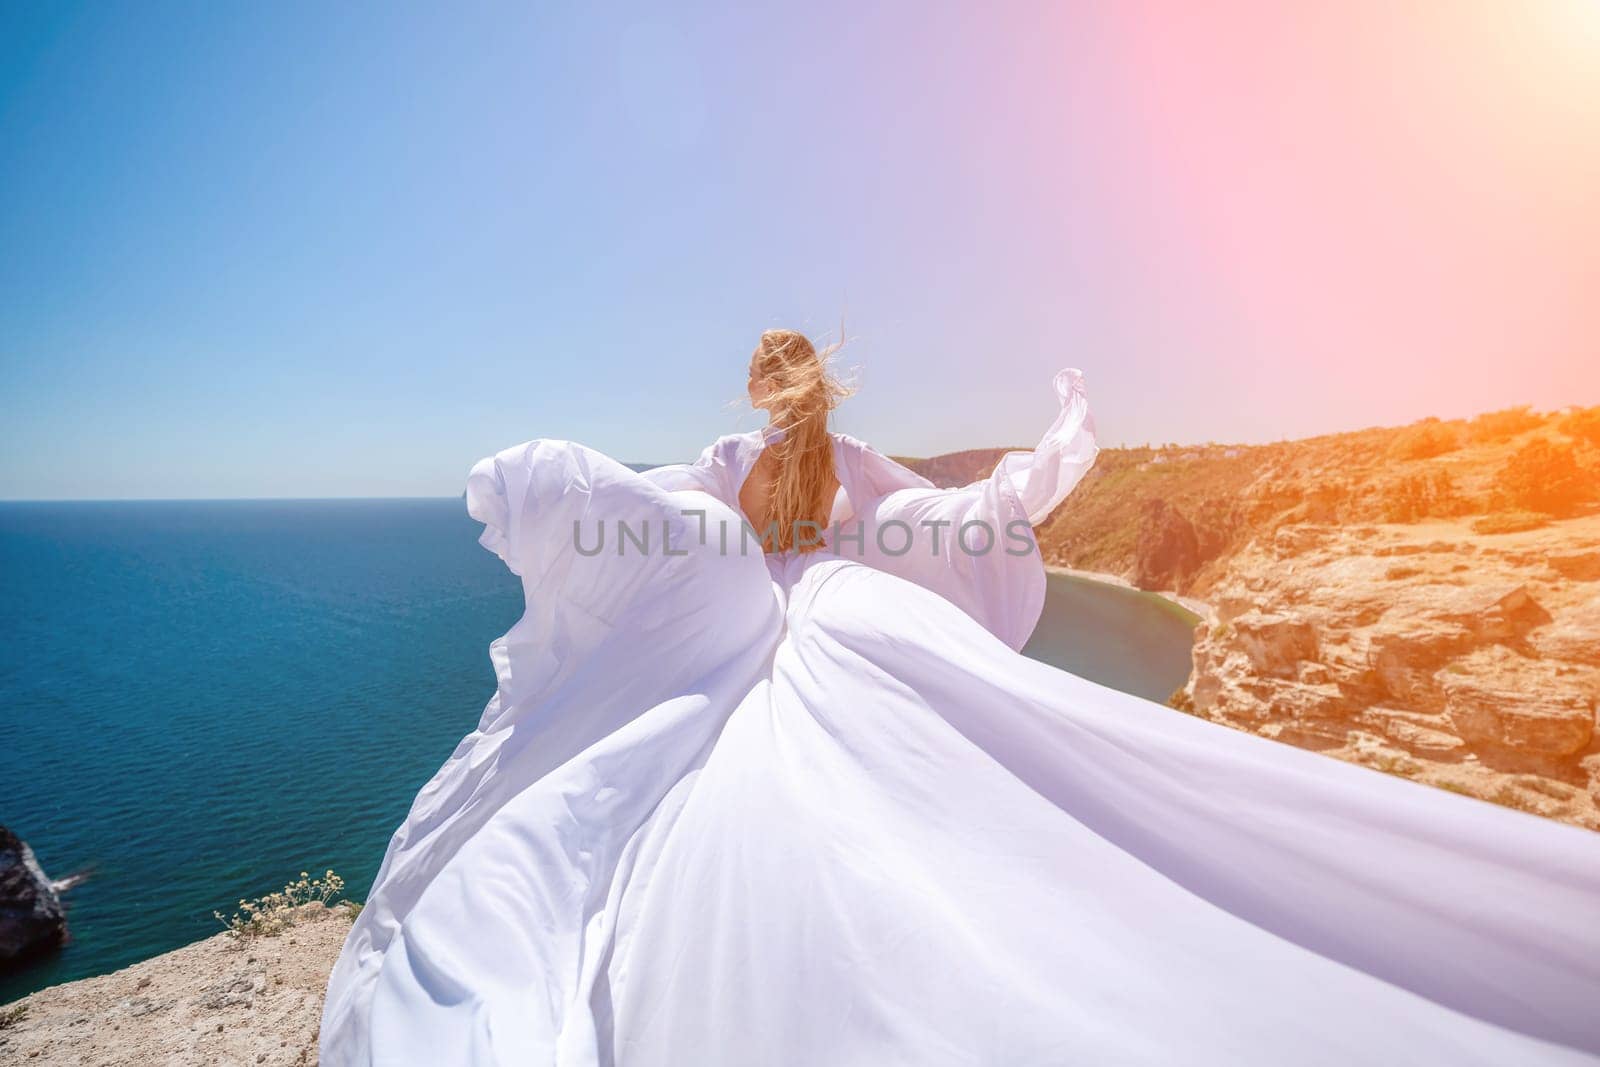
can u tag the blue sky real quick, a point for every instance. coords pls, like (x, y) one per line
(326, 250)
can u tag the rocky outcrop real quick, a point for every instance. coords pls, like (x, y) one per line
(217, 1001)
(1582, 566)
(1168, 550)
(1467, 660)
(1410, 598)
(1401, 597)
(1277, 644)
(1499, 699)
(1575, 637)
(32, 920)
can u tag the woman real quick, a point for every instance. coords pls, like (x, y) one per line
(801, 802)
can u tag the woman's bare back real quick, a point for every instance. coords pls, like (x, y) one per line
(755, 495)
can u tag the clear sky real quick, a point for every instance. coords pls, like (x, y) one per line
(346, 249)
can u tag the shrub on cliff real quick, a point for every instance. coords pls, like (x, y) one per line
(1544, 477)
(1582, 426)
(1426, 439)
(1420, 496)
(276, 912)
(1495, 426)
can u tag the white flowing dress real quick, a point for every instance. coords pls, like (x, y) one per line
(815, 810)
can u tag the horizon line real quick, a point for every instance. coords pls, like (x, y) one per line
(211, 499)
(1147, 445)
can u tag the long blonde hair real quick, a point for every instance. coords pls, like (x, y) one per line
(803, 392)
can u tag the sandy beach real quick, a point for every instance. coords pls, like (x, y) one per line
(1188, 603)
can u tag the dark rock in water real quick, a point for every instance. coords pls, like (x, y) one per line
(31, 917)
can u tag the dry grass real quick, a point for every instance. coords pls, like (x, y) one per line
(276, 912)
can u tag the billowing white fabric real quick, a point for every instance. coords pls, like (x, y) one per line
(814, 810)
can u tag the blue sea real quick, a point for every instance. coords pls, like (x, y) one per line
(201, 699)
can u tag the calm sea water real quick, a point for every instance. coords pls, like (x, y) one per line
(199, 700)
(1132, 641)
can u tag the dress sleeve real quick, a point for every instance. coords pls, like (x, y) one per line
(554, 512)
(708, 474)
(879, 474)
(973, 545)
(1043, 478)
(489, 501)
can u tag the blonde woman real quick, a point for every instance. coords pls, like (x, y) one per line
(765, 782)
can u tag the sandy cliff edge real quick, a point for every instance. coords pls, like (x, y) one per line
(217, 1001)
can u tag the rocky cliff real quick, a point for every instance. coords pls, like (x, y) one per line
(1469, 661)
(218, 1001)
(956, 468)
(1421, 599)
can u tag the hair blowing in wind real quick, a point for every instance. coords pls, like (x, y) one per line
(803, 393)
